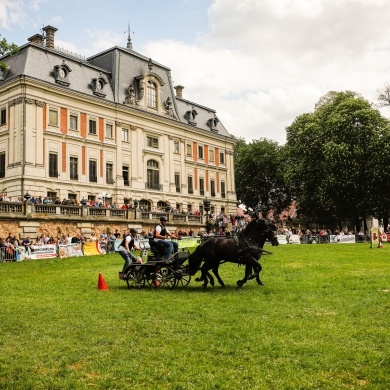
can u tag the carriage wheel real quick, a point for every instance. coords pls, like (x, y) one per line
(134, 278)
(165, 278)
(182, 278)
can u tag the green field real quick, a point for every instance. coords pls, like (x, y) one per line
(322, 321)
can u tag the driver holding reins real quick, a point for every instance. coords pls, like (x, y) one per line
(160, 235)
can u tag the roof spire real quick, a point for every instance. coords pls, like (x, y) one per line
(129, 44)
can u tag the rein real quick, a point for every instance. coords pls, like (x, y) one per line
(246, 239)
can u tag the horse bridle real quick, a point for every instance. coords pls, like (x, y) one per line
(246, 239)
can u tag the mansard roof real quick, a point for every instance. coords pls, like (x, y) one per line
(117, 68)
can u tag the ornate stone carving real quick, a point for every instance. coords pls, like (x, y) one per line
(190, 116)
(130, 98)
(212, 124)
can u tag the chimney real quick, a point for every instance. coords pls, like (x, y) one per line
(49, 30)
(37, 39)
(179, 91)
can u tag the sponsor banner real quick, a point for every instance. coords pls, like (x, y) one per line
(190, 242)
(69, 250)
(117, 243)
(92, 248)
(374, 233)
(386, 237)
(339, 239)
(294, 239)
(282, 238)
(41, 252)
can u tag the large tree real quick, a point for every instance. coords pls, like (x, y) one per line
(259, 170)
(335, 155)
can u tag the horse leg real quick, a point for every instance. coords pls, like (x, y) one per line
(216, 273)
(251, 264)
(259, 282)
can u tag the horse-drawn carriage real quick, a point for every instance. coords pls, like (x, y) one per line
(157, 271)
(244, 249)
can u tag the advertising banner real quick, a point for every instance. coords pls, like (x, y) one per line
(69, 250)
(282, 238)
(374, 233)
(294, 239)
(339, 239)
(91, 249)
(41, 252)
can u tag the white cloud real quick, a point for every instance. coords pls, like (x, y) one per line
(11, 13)
(267, 61)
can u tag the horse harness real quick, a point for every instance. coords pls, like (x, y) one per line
(248, 241)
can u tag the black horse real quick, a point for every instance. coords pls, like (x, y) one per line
(245, 249)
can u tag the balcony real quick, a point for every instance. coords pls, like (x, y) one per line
(93, 179)
(153, 186)
(110, 180)
(190, 190)
(201, 192)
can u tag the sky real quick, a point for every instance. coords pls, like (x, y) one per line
(258, 63)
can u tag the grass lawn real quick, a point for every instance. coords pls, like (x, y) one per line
(322, 321)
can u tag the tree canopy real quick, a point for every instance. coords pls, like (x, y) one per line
(259, 174)
(335, 155)
(6, 48)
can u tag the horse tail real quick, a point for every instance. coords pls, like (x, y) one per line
(195, 260)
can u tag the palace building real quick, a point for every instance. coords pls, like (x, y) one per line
(110, 125)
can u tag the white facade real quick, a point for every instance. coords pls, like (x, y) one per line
(72, 128)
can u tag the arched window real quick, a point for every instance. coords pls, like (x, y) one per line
(153, 175)
(151, 94)
(144, 205)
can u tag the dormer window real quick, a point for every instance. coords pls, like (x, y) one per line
(148, 92)
(151, 94)
(61, 74)
(98, 86)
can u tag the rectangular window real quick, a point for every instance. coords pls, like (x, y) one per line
(212, 187)
(189, 207)
(125, 135)
(151, 95)
(125, 175)
(201, 186)
(223, 192)
(3, 116)
(152, 142)
(177, 181)
(109, 133)
(109, 173)
(92, 171)
(200, 152)
(2, 164)
(52, 195)
(189, 150)
(176, 147)
(53, 165)
(211, 155)
(73, 119)
(190, 185)
(53, 117)
(74, 168)
(92, 127)
(222, 158)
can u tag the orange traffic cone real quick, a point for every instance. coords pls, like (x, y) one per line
(102, 285)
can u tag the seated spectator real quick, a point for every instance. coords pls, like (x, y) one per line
(26, 243)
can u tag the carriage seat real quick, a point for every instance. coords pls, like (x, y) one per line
(156, 247)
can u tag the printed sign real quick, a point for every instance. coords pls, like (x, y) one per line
(91, 249)
(41, 252)
(69, 250)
